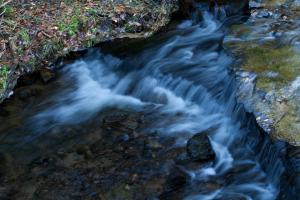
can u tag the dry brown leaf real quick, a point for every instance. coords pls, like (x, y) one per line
(120, 8)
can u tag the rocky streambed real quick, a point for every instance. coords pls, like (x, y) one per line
(153, 119)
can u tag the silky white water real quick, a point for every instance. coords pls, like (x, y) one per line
(186, 85)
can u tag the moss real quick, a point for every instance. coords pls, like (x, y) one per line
(129, 28)
(8, 11)
(121, 191)
(240, 30)
(24, 36)
(288, 129)
(51, 47)
(71, 27)
(4, 71)
(69, 2)
(273, 3)
(90, 42)
(32, 62)
(261, 59)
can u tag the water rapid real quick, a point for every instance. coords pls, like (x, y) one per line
(184, 82)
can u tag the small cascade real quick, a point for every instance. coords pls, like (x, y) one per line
(186, 85)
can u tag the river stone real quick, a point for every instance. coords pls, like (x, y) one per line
(199, 148)
(176, 180)
(121, 122)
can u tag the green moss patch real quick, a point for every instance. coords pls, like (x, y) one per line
(288, 128)
(281, 61)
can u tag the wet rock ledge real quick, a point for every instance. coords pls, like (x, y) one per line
(34, 34)
(267, 47)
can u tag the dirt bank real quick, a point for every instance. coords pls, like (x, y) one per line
(34, 34)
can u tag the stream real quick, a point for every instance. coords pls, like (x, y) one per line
(183, 83)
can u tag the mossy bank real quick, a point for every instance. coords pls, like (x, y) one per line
(34, 34)
(267, 48)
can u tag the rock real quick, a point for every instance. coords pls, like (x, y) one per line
(153, 144)
(153, 188)
(121, 122)
(5, 160)
(151, 147)
(122, 138)
(271, 74)
(176, 180)
(240, 6)
(46, 75)
(119, 192)
(8, 168)
(199, 148)
(262, 45)
(254, 4)
(264, 14)
(84, 150)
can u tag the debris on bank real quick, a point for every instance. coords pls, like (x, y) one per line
(36, 33)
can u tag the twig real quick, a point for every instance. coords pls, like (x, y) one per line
(45, 34)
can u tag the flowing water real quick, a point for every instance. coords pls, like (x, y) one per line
(185, 82)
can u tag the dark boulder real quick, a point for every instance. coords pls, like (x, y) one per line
(199, 148)
(175, 182)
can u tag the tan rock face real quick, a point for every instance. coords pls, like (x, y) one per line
(268, 47)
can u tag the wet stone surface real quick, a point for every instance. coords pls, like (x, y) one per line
(267, 47)
(123, 163)
(199, 147)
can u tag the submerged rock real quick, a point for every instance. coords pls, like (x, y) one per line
(103, 168)
(46, 75)
(119, 192)
(199, 148)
